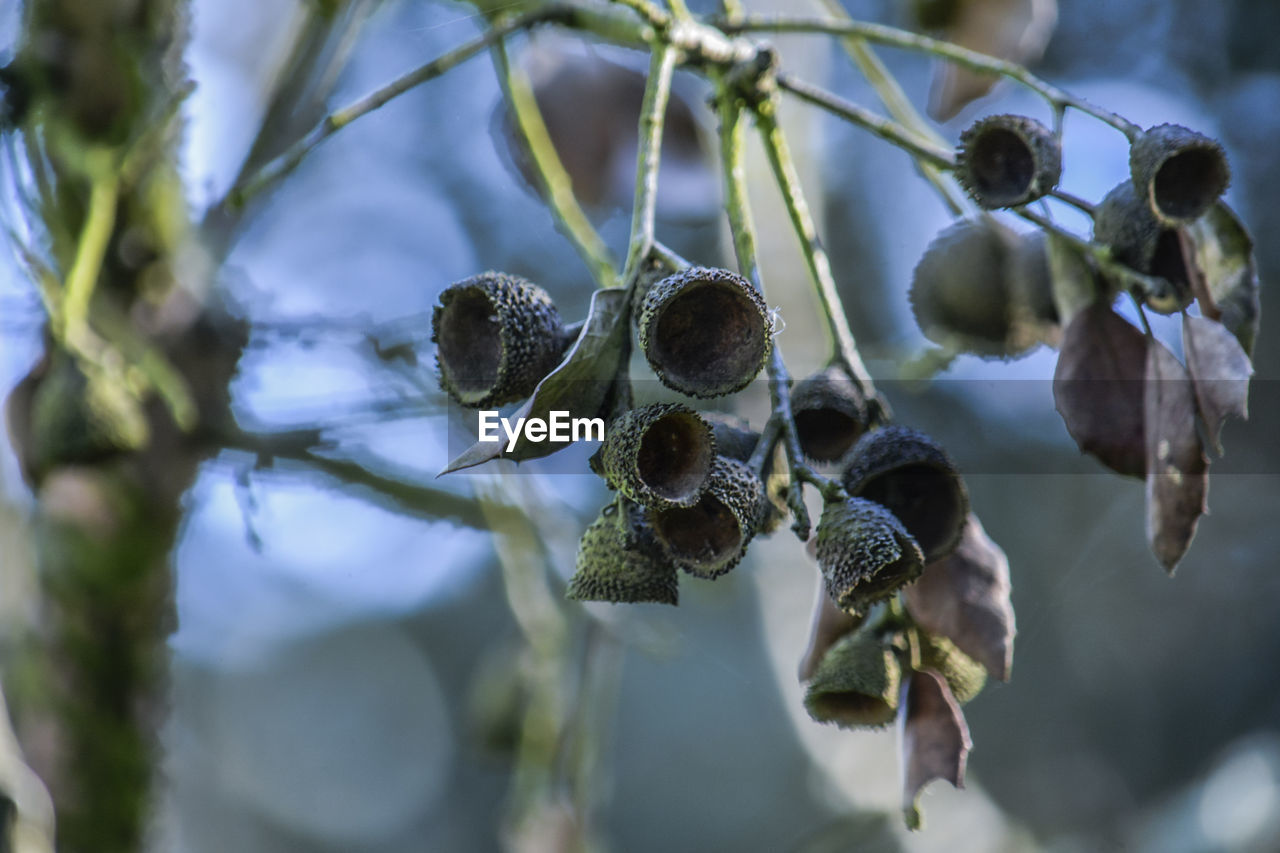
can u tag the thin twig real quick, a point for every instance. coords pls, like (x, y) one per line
(656, 17)
(653, 112)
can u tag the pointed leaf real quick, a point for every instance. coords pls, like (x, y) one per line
(1097, 387)
(1074, 283)
(965, 598)
(933, 738)
(1224, 257)
(1177, 470)
(1220, 372)
(579, 386)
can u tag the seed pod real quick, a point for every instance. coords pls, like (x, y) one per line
(498, 336)
(865, 553)
(736, 440)
(960, 291)
(1179, 173)
(856, 683)
(1008, 160)
(1125, 223)
(706, 332)
(611, 568)
(910, 474)
(1031, 281)
(830, 414)
(659, 455)
(964, 675)
(734, 436)
(710, 537)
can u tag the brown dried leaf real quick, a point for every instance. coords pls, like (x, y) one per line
(1220, 372)
(1097, 387)
(933, 738)
(1178, 472)
(1224, 257)
(965, 598)
(1017, 30)
(829, 623)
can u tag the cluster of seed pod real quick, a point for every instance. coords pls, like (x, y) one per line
(984, 289)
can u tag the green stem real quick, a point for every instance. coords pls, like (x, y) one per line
(971, 59)
(99, 222)
(653, 112)
(553, 180)
(1100, 255)
(654, 16)
(680, 10)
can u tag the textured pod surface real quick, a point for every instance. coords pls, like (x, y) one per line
(865, 553)
(855, 684)
(911, 475)
(659, 455)
(1008, 160)
(964, 675)
(705, 332)
(1179, 173)
(497, 336)
(613, 566)
(960, 290)
(1124, 222)
(830, 414)
(710, 537)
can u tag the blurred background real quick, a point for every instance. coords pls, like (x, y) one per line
(351, 672)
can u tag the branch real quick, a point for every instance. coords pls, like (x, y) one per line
(653, 111)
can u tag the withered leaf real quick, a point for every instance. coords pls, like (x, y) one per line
(965, 598)
(1220, 372)
(1017, 30)
(1097, 387)
(829, 623)
(1177, 470)
(933, 738)
(1224, 257)
(580, 385)
(1074, 283)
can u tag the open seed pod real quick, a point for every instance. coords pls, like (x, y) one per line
(1179, 173)
(964, 675)
(737, 440)
(856, 683)
(498, 335)
(612, 566)
(1008, 160)
(659, 455)
(910, 474)
(960, 291)
(710, 537)
(1124, 222)
(865, 553)
(706, 332)
(830, 414)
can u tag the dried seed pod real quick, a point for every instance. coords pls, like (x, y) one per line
(910, 474)
(830, 414)
(960, 291)
(736, 440)
(659, 455)
(710, 537)
(1008, 160)
(1179, 173)
(498, 335)
(734, 436)
(964, 675)
(856, 683)
(1124, 222)
(1031, 284)
(612, 566)
(865, 553)
(706, 332)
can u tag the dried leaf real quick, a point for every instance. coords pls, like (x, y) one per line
(1220, 373)
(1224, 256)
(1097, 388)
(965, 598)
(581, 385)
(933, 738)
(1073, 280)
(1016, 30)
(1177, 470)
(829, 623)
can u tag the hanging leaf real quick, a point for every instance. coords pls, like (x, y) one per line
(1073, 282)
(829, 623)
(1017, 30)
(1177, 470)
(932, 737)
(1220, 372)
(1097, 388)
(581, 385)
(1224, 257)
(965, 598)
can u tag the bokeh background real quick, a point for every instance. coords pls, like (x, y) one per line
(348, 673)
